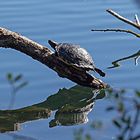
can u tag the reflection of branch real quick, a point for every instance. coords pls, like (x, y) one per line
(9, 39)
(117, 30)
(123, 18)
(74, 100)
(11, 119)
(77, 103)
(135, 56)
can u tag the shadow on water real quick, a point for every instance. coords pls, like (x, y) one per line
(134, 56)
(71, 105)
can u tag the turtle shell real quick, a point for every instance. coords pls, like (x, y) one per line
(75, 55)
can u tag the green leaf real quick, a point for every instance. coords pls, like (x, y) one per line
(137, 93)
(9, 77)
(110, 108)
(18, 77)
(117, 123)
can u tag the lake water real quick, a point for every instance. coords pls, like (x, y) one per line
(66, 21)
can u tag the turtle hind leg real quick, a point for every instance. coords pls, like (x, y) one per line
(101, 73)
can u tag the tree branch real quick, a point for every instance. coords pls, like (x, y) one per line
(118, 30)
(135, 24)
(136, 56)
(9, 39)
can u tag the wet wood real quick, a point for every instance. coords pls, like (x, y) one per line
(13, 40)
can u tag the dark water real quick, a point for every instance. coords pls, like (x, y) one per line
(65, 21)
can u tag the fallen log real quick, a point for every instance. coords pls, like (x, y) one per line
(13, 40)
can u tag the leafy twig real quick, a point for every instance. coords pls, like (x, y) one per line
(16, 83)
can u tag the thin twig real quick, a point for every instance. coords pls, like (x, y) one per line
(117, 30)
(123, 19)
(137, 20)
(136, 56)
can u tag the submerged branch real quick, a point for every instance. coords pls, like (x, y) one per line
(134, 56)
(9, 39)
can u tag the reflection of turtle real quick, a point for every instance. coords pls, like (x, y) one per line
(69, 119)
(72, 114)
(75, 56)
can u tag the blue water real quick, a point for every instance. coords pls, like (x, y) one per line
(65, 21)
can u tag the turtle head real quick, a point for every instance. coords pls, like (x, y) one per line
(53, 44)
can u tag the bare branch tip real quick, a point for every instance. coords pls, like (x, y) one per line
(137, 19)
(108, 10)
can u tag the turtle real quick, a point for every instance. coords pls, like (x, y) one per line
(75, 56)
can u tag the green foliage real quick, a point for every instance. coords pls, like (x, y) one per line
(9, 77)
(16, 82)
(117, 123)
(128, 114)
(138, 93)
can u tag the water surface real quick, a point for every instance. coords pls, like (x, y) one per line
(66, 21)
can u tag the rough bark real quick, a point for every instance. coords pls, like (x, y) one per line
(9, 39)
